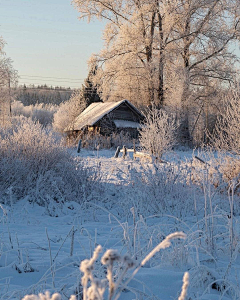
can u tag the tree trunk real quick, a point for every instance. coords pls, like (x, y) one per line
(161, 64)
(184, 127)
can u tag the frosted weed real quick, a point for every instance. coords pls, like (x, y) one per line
(94, 288)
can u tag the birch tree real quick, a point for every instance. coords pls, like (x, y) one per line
(132, 60)
(204, 32)
(154, 46)
(164, 52)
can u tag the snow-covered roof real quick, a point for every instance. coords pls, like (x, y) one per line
(126, 124)
(95, 112)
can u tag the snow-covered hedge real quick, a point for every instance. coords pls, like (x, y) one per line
(35, 164)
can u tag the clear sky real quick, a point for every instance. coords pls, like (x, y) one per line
(46, 39)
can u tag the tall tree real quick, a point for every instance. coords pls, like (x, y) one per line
(8, 79)
(203, 33)
(89, 90)
(128, 58)
(164, 51)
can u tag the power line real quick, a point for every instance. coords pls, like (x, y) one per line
(46, 89)
(50, 81)
(48, 77)
(31, 85)
(29, 89)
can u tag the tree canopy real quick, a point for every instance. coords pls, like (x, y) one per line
(155, 47)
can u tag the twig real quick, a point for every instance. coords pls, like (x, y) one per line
(51, 260)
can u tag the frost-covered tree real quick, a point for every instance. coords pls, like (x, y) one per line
(164, 51)
(8, 78)
(68, 111)
(79, 100)
(132, 58)
(204, 33)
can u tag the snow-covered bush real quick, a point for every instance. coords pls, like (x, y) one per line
(159, 189)
(68, 111)
(158, 133)
(226, 136)
(43, 113)
(219, 169)
(35, 164)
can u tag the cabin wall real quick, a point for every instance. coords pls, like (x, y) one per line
(123, 112)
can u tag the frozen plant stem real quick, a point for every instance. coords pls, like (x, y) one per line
(231, 203)
(110, 281)
(163, 245)
(51, 260)
(87, 267)
(184, 286)
(72, 241)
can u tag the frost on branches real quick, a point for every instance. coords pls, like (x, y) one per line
(8, 78)
(158, 133)
(227, 133)
(68, 111)
(154, 48)
(35, 164)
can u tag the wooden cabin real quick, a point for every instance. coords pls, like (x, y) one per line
(108, 117)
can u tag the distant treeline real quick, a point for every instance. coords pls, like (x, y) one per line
(31, 95)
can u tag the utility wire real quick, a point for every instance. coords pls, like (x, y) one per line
(62, 89)
(47, 90)
(31, 79)
(48, 80)
(36, 76)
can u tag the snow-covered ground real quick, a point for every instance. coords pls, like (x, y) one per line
(39, 252)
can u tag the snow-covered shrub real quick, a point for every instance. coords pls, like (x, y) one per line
(35, 164)
(68, 111)
(43, 113)
(158, 133)
(229, 167)
(218, 169)
(226, 136)
(160, 189)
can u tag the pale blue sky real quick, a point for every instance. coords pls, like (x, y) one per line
(45, 38)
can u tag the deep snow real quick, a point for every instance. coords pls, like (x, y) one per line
(28, 265)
